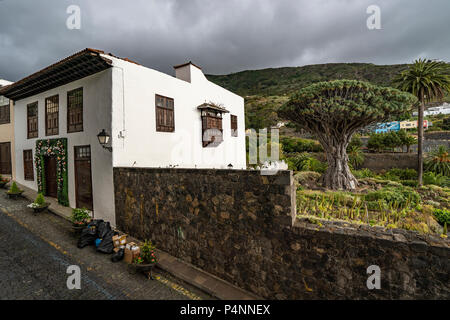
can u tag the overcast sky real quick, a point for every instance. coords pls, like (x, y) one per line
(222, 36)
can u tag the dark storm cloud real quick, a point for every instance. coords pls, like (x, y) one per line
(222, 36)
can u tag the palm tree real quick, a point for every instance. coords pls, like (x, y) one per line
(428, 80)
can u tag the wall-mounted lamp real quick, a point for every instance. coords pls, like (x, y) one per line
(103, 139)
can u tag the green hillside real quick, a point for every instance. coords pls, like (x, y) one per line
(281, 81)
(266, 90)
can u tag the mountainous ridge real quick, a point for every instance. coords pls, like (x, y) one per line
(265, 90)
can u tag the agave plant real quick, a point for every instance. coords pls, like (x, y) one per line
(438, 161)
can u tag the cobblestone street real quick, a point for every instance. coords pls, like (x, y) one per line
(35, 252)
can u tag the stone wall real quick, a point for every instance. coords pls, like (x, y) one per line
(437, 135)
(385, 161)
(241, 227)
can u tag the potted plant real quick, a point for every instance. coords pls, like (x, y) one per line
(39, 204)
(14, 192)
(3, 181)
(80, 218)
(147, 258)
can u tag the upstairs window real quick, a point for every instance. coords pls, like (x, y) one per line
(28, 164)
(32, 120)
(75, 110)
(4, 114)
(234, 126)
(51, 116)
(164, 114)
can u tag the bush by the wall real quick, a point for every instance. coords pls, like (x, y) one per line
(305, 162)
(402, 196)
(297, 145)
(442, 216)
(396, 174)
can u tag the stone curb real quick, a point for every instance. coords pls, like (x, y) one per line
(200, 279)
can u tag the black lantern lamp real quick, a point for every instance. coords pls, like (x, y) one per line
(103, 139)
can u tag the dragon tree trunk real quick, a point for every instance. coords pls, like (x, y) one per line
(338, 175)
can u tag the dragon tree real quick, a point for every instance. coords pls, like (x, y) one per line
(334, 110)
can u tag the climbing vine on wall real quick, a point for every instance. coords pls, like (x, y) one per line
(53, 148)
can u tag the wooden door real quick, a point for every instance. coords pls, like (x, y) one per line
(83, 177)
(51, 185)
(5, 158)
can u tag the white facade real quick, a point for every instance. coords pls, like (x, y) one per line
(121, 100)
(134, 116)
(96, 116)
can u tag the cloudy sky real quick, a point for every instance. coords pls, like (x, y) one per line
(222, 36)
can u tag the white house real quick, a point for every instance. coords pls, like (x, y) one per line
(443, 109)
(145, 117)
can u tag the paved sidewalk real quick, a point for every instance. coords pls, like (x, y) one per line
(200, 279)
(38, 248)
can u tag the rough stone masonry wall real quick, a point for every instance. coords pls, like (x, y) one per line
(241, 227)
(437, 135)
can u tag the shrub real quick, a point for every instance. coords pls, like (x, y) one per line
(410, 183)
(396, 174)
(306, 162)
(14, 188)
(436, 179)
(364, 173)
(40, 200)
(148, 252)
(390, 140)
(297, 145)
(402, 196)
(304, 177)
(442, 216)
(80, 216)
(376, 142)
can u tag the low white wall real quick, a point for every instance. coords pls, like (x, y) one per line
(96, 116)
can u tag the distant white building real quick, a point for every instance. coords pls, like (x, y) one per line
(443, 109)
(145, 118)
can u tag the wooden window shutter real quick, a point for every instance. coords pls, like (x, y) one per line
(75, 110)
(234, 126)
(28, 164)
(165, 117)
(52, 115)
(4, 114)
(32, 120)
